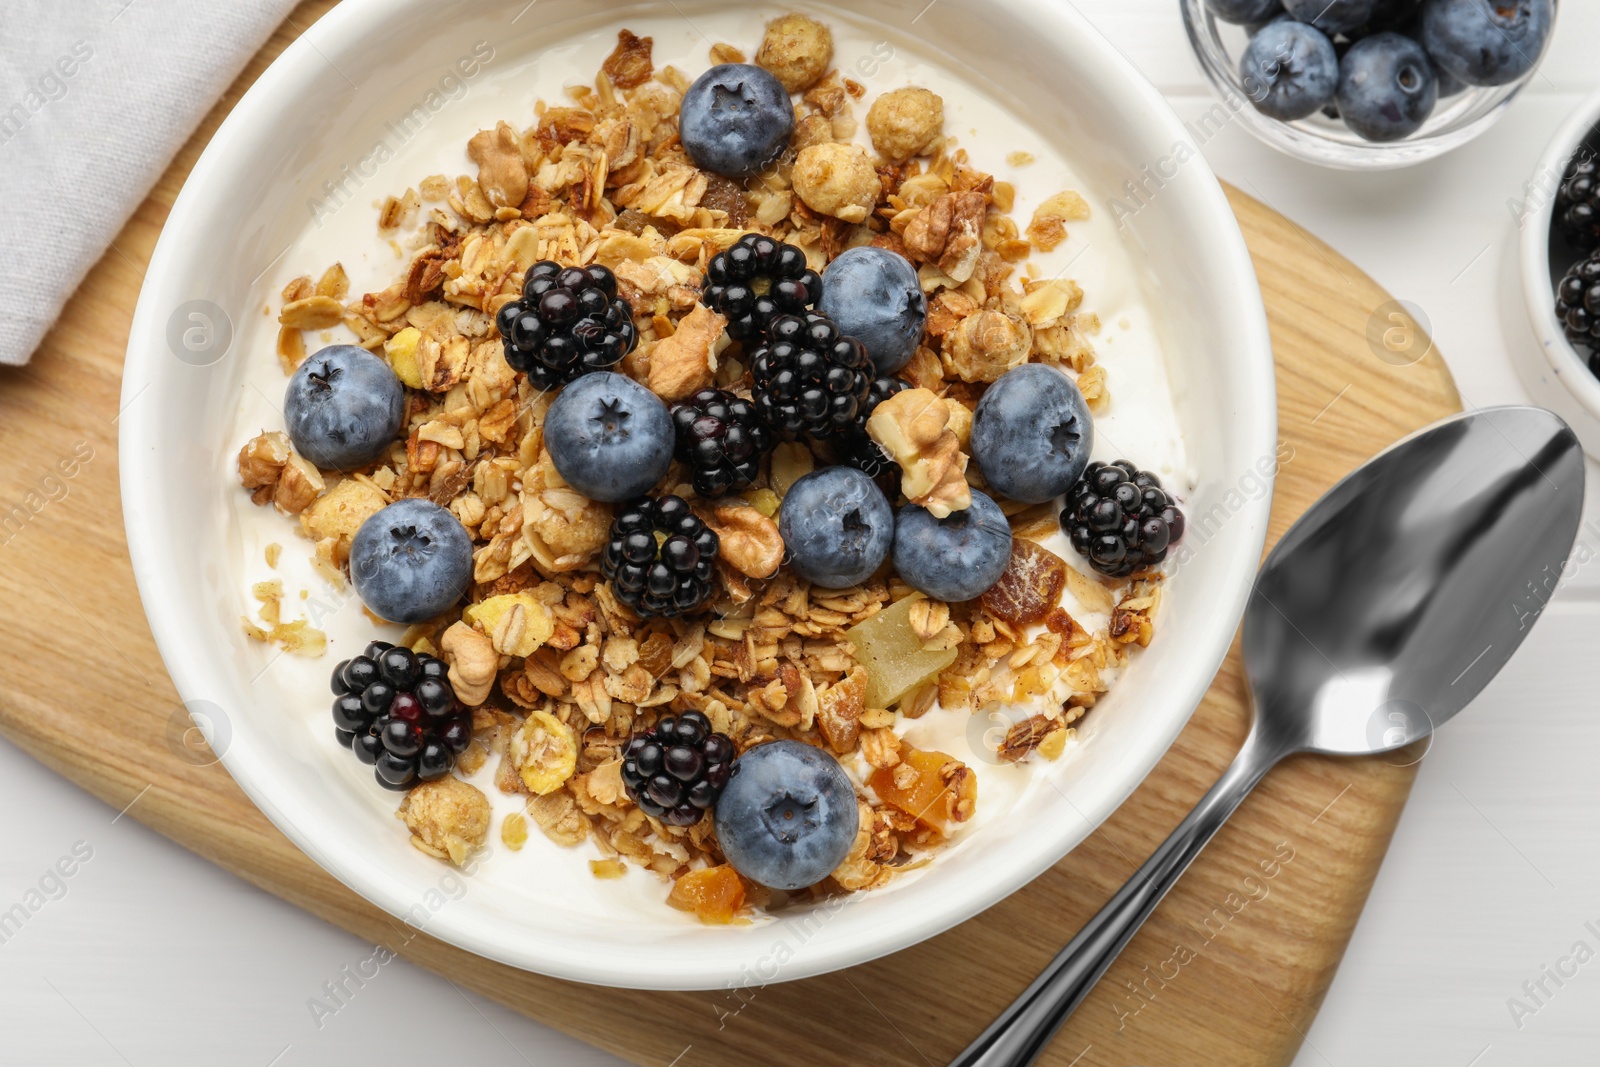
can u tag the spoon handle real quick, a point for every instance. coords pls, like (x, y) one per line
(1024, 1029)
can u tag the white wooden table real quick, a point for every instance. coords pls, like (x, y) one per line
(147, 955)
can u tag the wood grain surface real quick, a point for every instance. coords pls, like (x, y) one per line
(1229, 971)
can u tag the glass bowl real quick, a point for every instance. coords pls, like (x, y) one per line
(1455, 121)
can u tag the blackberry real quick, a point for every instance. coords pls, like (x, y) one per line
(1121, 519)
(1578, 204)
(568, 323)
(722, 438)
(677, 770)
(660, 557)
(756, 281)
(1578, 306)
(395, 709)
(810, 380)
(856, 448)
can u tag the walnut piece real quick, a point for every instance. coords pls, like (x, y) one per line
(750, 540)
(904, 122)
(686, 362)
(447, 818)
(948, 234)
(502, 173)
(273, 473)
(913, 426)
(473, 663)
(837, 180)
(986, 345)
(796, 50)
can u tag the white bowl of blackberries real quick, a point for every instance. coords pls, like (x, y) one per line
(1560, 263)
(1366, 84)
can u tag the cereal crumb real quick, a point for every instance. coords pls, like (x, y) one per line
(514, 831)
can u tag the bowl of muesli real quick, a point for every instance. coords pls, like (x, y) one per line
(751, 486)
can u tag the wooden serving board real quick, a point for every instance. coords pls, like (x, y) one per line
(1229, 971)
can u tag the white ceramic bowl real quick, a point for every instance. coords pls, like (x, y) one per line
(316, 109)
(1562, 380)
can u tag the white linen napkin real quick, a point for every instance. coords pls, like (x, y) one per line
(96, 97)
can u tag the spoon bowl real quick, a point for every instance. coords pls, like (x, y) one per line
(1381, 614)
(1386, 609)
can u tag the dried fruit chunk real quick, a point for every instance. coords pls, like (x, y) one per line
(517, 623)
(715, 895)
(629, 65)
(403, 358)
(1031, 586)
(931, 787)
(888, 646)
(545, 752)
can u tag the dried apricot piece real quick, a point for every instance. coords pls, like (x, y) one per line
(931, 787)
(1030, 589)
(715, 895)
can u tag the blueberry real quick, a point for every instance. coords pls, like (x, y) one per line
(1389, 15)
(735, 120)
(1031, 434)
(956, 558)
(1387, 88)
(410, 562)
(344, 407)
(1244, 12)
(609, 437)
(1449, 84)
(1290, 70)
(837, 527)
(875, 296)
(788, 816)
(1331, 16)
(1484, 43)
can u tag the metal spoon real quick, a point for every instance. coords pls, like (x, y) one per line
(1381, 613)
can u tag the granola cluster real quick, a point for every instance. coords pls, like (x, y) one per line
(558, 672)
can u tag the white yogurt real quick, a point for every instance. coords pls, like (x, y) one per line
(1141, 424)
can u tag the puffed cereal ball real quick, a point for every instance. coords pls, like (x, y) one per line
(797, 50)
(838, 180)
(904, 122)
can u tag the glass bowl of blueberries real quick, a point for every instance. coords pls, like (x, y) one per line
(1367, 84)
